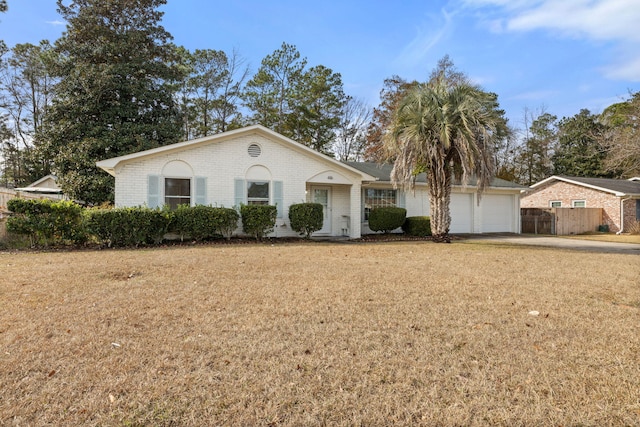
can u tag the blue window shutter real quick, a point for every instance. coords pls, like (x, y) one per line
(402, 199)
(239, 193)
(278, 199)
(153, 191)
(638, 210)
(201, 190)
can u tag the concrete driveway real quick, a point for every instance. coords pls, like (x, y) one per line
(559, 242)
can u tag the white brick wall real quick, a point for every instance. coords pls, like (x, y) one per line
(223, 161)
(417, 204)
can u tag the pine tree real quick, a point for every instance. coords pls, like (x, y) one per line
(115, 64)
(302, 103)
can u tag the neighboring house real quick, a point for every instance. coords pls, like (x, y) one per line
(46, 186)
(619, 199)
(255, 165)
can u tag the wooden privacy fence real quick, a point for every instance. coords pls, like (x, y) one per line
(537, 221)
(7, 194)
(560, 221)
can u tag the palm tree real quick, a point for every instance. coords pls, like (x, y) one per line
(444, 130)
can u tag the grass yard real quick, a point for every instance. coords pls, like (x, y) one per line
(402, 333)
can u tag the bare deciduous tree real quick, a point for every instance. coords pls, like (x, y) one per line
(351, 135)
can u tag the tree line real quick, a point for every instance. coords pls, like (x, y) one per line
(114, 83)
(605, 145)
(587, 144)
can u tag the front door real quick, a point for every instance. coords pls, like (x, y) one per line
(322, 195)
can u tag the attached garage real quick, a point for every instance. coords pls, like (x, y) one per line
(461, 213)
(497, 213)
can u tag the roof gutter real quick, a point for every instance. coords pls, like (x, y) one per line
(622, 214)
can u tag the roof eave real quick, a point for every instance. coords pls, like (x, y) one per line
(110, 165)
(582, 184)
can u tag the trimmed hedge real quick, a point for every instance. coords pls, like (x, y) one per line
(417, 226)
(128, 226)
(306, 218)
(46, 221)
(203, 222)
(258, 220)
(387, 218)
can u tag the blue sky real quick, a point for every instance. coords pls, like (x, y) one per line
(560, 55)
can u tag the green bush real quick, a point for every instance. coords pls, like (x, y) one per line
(227, 221)
(387, 218)
(306, 218)
(203, 222)
(192, 222)
(103, 225)
(46, 221)
(258, 220)
(128, 226)
(417, 226)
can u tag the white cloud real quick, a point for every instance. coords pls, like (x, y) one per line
(624, 70)
(56, 23)
(419, 47)
(594, 19)
(597, 20)
(611, 21)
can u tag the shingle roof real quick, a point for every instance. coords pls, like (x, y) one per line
(383, 173)
(618, 186)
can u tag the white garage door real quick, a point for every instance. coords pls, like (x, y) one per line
(497, 213)
(461, 213)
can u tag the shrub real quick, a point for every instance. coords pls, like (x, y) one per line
(386, 218)
(46, 221)
(128, 226)
(204, 222)
(306, 218)
(417, 226)
(192, 222)
(258, 220)
(227, 219)
(103, 225)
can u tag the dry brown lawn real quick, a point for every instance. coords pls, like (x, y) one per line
(402, 333)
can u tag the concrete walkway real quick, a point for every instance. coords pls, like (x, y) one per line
(562, 243)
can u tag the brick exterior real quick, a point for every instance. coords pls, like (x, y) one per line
(225, 159)
(566, 193)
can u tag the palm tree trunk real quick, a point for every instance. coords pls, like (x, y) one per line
(439, 199)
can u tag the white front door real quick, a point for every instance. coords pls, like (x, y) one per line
(322, 195)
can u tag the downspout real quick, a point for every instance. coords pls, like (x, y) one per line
(622, 214)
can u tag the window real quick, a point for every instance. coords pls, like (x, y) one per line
(638, 210)
(555, 204)
(578, 203)
(177, 191)
(257, 192)
(378, 198)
